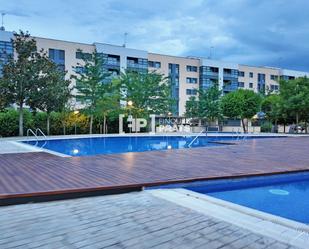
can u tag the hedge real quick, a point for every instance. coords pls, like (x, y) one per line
(60, 124)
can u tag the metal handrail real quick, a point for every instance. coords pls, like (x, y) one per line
(196, 137)
(32, 132)
(42, 133)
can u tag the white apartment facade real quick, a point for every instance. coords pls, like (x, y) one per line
(187, 74)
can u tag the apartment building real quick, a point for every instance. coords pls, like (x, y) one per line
(183, 73)
(187, 74)
(67, 55)
(258, 78)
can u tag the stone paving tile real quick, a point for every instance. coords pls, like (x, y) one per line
(135, 220)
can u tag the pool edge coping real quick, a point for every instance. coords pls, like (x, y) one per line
(284, 230)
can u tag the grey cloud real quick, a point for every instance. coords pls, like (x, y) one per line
(257, 32)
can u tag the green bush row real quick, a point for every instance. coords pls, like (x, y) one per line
(60, 124)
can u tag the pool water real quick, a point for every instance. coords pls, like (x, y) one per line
(112, 145)
(284, 195)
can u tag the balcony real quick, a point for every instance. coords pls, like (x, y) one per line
(112, 62)
(230, 88)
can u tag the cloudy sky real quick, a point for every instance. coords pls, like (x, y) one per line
(254, 32)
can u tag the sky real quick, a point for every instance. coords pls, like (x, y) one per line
(252, 32)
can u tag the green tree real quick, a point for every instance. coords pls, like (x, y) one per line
(108, 106)
(243, 104)
(295, 94)
(209, 104)
(150, 92)
(272, 106)
(192, 107)
(92, 84)
(21, 74)
(4, 95)
(52, 91)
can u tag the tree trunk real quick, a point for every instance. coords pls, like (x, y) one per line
(243, 125)
(104, 124)
(284, 128)
(297, 118)
(21, 120)
(91, 123)
(64, 129)
(48, 124)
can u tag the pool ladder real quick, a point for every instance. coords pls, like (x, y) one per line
(197, 136)
(35, 134)
(238, 135)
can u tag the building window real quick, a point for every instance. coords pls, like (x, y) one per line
(81, 55)
(191, 91)
(274, 87)
(51, 54)
(61, 54)
(273, 77)
(191, 80)
(173, 69)
(137, 64)
(191, 68)
(155, 64)
(251, 75)
(176, 81)
(58, 57)
(241, 84)
(241, 74)
(250, 85)
(6, 52)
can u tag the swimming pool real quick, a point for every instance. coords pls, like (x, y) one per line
(285, 195)
(113, 145)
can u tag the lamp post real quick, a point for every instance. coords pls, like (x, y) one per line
(75, 113)
(169, 114)
(130, 104)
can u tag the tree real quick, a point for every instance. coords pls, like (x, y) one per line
(295, 94)
(192, 107)
(4, 95)
(243, 104)
(52, 91)
(92, 84)
(150, 92)
(20, 75)
(209, 103)
(107, 106)
(272, 106)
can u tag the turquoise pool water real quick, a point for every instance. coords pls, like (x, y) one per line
(112, 145)
(283, 195)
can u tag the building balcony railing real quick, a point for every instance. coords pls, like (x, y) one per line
(215, 74)
(112, 63)
(230, 76)
(230, 88)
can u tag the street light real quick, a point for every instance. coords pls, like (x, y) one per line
(130, 104)
(169, 114)
(75, 113)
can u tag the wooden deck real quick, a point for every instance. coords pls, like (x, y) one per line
(27, 176)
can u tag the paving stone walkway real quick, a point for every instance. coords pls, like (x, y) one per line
(135, 220)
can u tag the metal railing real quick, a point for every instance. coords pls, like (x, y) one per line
(38, 130)
(33, 133)
(197, 136)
